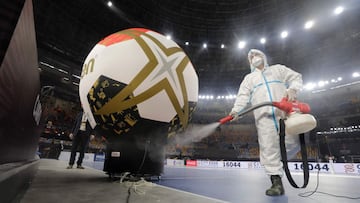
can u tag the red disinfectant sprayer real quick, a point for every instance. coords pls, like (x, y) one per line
(298, 120)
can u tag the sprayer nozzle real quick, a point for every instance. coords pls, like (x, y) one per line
(225, 119)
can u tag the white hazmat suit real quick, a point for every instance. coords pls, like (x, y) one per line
(271, 83)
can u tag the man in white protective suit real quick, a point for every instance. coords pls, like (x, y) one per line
(269, 83)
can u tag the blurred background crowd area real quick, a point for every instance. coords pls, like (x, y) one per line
(336, 136)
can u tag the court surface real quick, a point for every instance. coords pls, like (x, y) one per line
(54, 183)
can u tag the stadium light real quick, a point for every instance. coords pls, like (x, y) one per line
(263, 40)
(310, 86)
(284, 34)
(321, 83)
(241, 44)
(338, 10)
(309, 24)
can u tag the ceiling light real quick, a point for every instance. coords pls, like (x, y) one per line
(109, 3)
(209, 97)
(356, 74)
(310, 86)
(241, 44)
(168, 37)
(309, 24)
(284, 34)
(186, 43)
(338, 10)
(47, 65)
(222, 46)
(62, 71)
(76, 76)
(204, 45)
(263, 40)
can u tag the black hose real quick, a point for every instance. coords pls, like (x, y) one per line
(252, 108)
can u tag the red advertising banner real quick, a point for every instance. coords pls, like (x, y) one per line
(191, 163)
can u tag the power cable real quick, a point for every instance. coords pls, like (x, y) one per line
(138, 171)
(310, 193)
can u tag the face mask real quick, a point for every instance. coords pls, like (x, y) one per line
(256, 61)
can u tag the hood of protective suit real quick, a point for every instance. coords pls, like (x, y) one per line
(252, 51)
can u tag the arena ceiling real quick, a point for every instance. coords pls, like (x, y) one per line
(68, 29)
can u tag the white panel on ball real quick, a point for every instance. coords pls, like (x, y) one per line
(122, 54)
(165, 111)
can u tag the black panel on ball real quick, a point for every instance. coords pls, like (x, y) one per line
(134, 144)
(117, 123)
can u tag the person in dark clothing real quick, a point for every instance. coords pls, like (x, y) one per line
(80, 135)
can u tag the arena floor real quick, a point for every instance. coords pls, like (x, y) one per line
(249, 185)
(54, 183)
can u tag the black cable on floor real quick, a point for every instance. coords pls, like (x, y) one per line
(309, 193)
(129, 193)
(138, 171)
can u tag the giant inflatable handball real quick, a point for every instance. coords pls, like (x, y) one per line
(137, 74)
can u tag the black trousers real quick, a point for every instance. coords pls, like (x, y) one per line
(80, 141)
